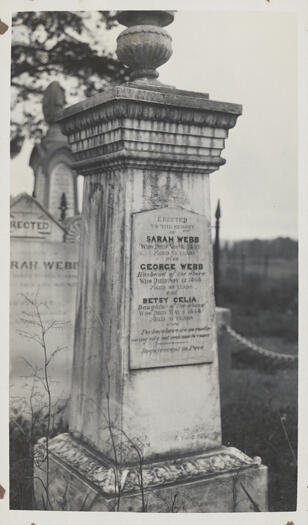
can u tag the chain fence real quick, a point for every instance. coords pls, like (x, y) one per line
(276, 356)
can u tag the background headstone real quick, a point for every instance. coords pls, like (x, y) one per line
(51, 160)
(45, 267)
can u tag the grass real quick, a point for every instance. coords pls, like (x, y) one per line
(251, 421)
(259, 404)
(25, 431)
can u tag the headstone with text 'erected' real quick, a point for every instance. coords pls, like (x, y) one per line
(43, 267)
(144, 423)
(51, 161)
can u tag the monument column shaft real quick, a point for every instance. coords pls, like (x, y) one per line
(155, 404)
(145, 342)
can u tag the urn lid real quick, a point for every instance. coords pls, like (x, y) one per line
(155, 18)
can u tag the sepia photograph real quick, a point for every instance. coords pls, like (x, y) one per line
(153, 261)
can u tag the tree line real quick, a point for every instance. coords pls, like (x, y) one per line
(281, 247)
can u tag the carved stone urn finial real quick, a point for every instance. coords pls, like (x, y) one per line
(144, 45)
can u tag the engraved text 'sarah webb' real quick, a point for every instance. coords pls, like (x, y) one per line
(171, 299)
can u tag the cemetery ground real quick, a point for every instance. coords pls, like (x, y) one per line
(259, 407)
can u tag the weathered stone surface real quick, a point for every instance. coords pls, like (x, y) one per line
(157, 18)
(172, 311)
(154, 128)
(144, 48)
(29, 220)
(73, 227)
(145, 45)
(173, 408)
(51, 160)
(175, 105)
(45, 267)
(216, 481)
(62, 181)
(141, 149)
(53, 101)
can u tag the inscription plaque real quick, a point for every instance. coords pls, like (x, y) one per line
(172, 299)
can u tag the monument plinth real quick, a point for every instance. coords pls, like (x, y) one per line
(145, 373)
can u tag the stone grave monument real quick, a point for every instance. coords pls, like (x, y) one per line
(144, 425)
(42, 265)
(51, 160)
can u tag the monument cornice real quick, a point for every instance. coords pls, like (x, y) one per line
(150, 103)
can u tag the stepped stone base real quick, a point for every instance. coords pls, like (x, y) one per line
(220, 480)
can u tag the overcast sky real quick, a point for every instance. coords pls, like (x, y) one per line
(246, 58)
